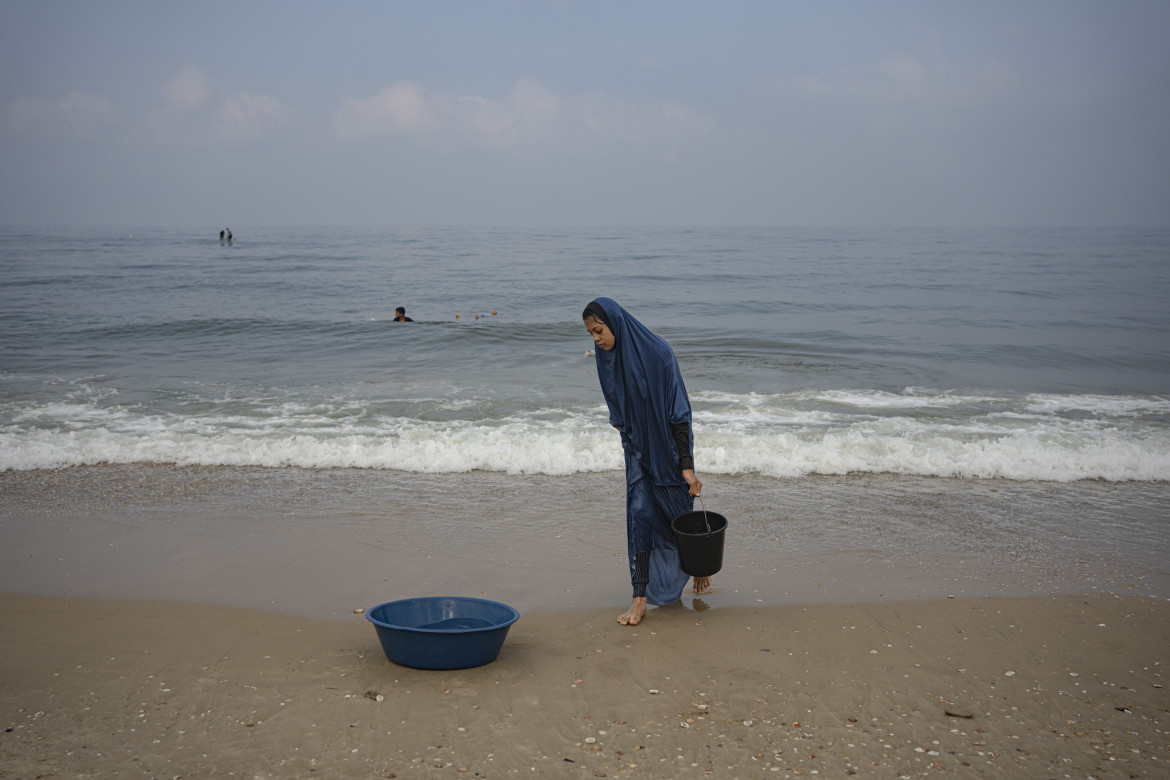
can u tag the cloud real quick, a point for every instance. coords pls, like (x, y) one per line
(78, 113)
(523, 119)
(188, 90)
(246, 117)
(403, 107)
(530, 119)
(192, 115)
(652, 122)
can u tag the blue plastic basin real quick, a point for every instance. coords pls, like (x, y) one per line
(442, 632)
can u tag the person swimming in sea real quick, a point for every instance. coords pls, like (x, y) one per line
(648, 404)
(400, 315)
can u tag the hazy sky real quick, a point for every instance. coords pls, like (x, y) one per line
(585, 113)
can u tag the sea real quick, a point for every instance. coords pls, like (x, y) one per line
(1018, 354)
(983, 357)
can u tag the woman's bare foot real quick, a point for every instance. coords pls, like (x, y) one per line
(701, 585)
(635, 613)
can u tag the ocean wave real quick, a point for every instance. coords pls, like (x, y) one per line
(945, 434)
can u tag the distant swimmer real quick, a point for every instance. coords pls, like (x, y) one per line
(400, 315)
(229, 234)
(221, 235)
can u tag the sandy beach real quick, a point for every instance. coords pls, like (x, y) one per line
(1036, 687)
(170, 623)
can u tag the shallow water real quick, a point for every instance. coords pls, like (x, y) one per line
(323, 542)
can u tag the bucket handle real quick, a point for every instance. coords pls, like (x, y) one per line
(705, 520)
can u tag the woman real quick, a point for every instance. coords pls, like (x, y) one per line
(648, 405)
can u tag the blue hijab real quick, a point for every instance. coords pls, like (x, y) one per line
(644, 390)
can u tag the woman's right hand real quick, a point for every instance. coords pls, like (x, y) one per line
(696, 487)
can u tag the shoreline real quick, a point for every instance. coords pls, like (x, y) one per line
(1047, 686)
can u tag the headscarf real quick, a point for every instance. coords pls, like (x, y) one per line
(644, 390)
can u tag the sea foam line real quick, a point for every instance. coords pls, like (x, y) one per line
(567, 448)
(919, 432)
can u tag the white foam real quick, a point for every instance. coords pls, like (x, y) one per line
(1098, 404)
(1024, 455)
(1061, 438)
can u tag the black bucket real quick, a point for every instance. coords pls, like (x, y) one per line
(700, 542)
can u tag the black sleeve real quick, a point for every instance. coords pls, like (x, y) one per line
(682, 443)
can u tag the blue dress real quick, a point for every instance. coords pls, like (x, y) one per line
(644, 391)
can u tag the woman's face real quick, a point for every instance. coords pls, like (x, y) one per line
(602, 336)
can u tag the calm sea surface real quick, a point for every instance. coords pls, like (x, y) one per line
(1025, 354)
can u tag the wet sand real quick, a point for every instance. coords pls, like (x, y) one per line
(164, 622)
(321, 543)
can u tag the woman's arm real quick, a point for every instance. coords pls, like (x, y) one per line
(682, 445)
(686, 461)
